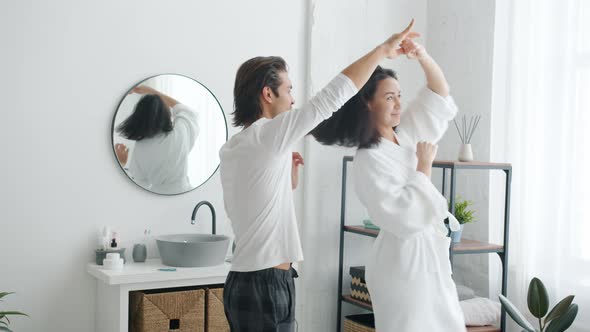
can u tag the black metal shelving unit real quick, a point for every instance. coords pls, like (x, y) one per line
(464, 247)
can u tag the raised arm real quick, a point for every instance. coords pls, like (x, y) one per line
(360, 70)
(435, 77)
(287, 128)
(428, 116)
(186, 124)
(144, 89)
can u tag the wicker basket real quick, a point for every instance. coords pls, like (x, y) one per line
(216, 320)
(359, 323)
(358, 285)
(181, 311)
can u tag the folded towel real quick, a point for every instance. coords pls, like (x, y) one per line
(368, 224)
(481, 311)
(464, 292)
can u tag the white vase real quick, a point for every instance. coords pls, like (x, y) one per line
(465, 153)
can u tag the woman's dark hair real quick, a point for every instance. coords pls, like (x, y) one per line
(150, 117)
(351, 125)
(252, 76)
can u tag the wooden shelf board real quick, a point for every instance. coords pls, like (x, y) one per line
(471, 246)
(488, 328)
(360, 229)
(466, 246)
(460, 164)
(470, 164)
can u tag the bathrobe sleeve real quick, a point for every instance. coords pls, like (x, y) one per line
(186, 126)
(401, 206)
(137, 173)
(426, 118)
(284, 130)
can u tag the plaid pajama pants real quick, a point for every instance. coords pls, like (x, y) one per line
(260, 301)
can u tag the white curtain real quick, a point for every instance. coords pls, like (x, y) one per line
(547, 139)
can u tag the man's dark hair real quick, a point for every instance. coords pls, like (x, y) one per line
(252, 76)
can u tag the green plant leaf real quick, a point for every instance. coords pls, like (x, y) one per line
(564, 321)
(5, 329)
(559, 308)
(515, 314)
(462, 213)
(537, 299)
(13, 313)
(3, 294)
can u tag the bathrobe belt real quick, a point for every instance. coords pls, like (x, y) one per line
(453, 224)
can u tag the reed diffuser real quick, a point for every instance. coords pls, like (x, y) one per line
(466, 130)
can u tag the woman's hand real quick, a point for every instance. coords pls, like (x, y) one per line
(426, 152)
(297, 160)
(143, 90)
(392, 46)
(413, 50)
(435, 78)
(122, 153)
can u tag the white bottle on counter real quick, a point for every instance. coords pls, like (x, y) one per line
(113, 262)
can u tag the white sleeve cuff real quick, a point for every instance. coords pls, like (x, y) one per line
(346, 84)
(333, 96)
(443, 107)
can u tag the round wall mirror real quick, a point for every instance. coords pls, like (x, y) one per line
(167, 132)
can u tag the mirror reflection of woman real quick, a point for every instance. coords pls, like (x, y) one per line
(408, 273)
(164, 132)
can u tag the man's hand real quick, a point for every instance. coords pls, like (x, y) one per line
(360, 71)
(297, 160)
(392, 46)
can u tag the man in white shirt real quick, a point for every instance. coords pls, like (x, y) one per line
(256, 176)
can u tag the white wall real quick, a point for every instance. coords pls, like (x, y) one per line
(64, 67)
(461, 39)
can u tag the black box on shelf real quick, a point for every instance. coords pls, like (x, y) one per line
(359, 323)
(358, 284)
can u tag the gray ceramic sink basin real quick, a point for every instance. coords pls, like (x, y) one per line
(192, 250)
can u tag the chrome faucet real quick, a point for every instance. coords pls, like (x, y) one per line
(212, 213)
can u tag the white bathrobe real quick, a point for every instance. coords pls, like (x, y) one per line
(408, 273)
(160, 163)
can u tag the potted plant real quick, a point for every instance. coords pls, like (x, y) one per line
(464, 215)
(4, 321)
(559, 319)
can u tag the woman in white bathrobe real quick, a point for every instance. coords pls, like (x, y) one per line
(165, 132)
(408, 273)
